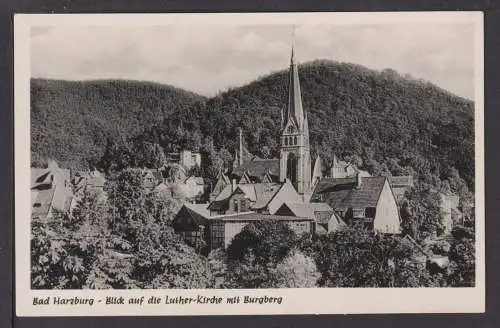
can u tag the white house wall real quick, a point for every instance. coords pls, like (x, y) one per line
(386, 215)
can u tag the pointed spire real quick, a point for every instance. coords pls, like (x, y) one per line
(294, 109)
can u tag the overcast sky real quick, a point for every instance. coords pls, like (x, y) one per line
(210, 58)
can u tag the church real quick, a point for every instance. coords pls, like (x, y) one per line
(286, 189)
(294, 163)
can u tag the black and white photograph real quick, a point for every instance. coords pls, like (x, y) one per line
(249, 153)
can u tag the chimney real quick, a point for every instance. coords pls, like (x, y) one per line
(358, 178)
(241, 148)
(233, 185)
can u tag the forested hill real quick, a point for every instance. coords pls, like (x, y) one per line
(387, 121)
(71, 121)
(382, 120)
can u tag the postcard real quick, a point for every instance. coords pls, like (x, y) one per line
(281, 163)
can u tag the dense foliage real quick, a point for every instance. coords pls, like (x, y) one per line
(355, 257)
(265, 255)
(72, 121)
(122, 241)
(270, 255)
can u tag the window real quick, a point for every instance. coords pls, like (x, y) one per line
(235, 205)
(286, 141)
(217, 232)
(37, 205)
(242, 205)
(291, 129)
(295, 140)
(290, 141)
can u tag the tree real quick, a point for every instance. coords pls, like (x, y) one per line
(463, 258)
(148, 154)
(355, 257)
(165, 261)
(421, 213)
(295, 271)
(254, 253)
(266, 240)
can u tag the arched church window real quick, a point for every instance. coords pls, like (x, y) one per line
(286, 141)
(295, 140)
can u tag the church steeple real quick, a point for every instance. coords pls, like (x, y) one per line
(294, 109)
(295, 160)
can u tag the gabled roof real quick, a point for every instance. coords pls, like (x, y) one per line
(344, 193)
(307, 209)
(258, 168)
(258, 193)
(190, 216)
(40, 175)
(57, 197)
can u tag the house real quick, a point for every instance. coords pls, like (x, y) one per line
(197, 226)
(87, 180)
(400, 184)
(50, 191)
(260, 197)
(341, 169)
(223, 228)
(187, 158)
(257, 170)
(222, 181)
(193, 187)
(325, 218)
(365, 201)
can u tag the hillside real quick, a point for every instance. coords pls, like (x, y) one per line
(71, 121)
(381, 120)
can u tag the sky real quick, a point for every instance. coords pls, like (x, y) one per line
(208, 59)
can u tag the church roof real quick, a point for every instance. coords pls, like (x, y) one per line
(258, 168)
(344, 193)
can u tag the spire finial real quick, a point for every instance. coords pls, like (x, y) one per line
(293, 43)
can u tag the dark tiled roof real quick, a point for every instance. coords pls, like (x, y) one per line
(258, 193)
(190, 217)
(258, 168)
(343, 193)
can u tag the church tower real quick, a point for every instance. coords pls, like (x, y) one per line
(295, 158)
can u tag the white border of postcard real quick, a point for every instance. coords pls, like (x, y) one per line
(295, 301)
